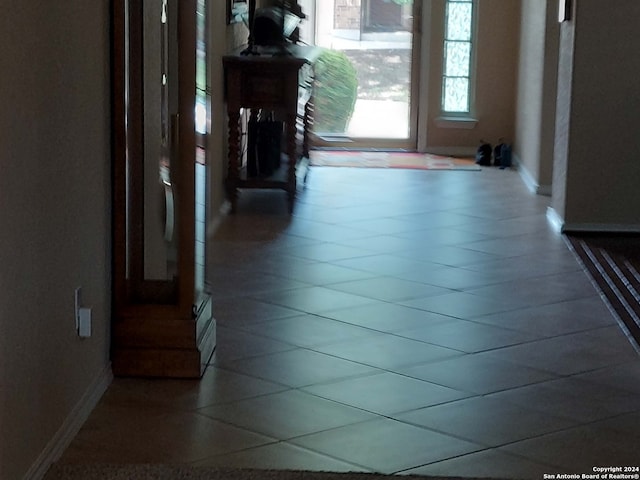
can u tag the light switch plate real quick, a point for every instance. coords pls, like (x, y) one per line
(84, 322)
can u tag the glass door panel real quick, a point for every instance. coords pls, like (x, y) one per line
(151, 250)
(160, 249)
(202, 122)
(366, 81)
(163, 324)
(162, 84)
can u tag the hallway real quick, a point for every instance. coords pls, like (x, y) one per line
(401, 321)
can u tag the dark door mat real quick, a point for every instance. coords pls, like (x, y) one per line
(613, 262)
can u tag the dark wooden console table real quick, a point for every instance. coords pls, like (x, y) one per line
(275, 82)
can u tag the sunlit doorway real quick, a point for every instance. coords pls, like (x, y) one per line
(366, 92)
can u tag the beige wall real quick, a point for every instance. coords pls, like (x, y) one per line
(55, 211)
(549, 98)
(563, 118)
(537, 91)
(530, 85)
(496, 66)
(55, 165)
(54, 217)
(596, 185)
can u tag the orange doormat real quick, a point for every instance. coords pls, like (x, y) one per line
(374, 159)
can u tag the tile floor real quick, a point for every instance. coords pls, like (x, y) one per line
(401, 322)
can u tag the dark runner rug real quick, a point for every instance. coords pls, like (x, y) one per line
(169, 472)
(613, 262)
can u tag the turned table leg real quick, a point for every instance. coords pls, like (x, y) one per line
(292, 155)
(308, 125)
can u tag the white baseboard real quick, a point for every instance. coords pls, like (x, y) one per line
(555, 220)
(71, 426)
(600, 228)
(558, 223)
(528, 179)
(214, 223)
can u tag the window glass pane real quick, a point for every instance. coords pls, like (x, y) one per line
(456, 82)
(456, 94)
(459, 17)
(458, 59)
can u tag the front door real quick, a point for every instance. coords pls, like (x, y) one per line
(366, 89)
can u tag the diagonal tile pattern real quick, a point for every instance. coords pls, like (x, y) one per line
(398, 321)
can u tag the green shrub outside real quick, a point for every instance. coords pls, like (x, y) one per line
(336, 91)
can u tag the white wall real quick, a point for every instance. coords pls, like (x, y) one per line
(549, 98)
(54, 218)
(537, 91)
(530, 86)
(597, 169)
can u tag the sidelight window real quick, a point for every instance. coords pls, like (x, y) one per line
(458, 54)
